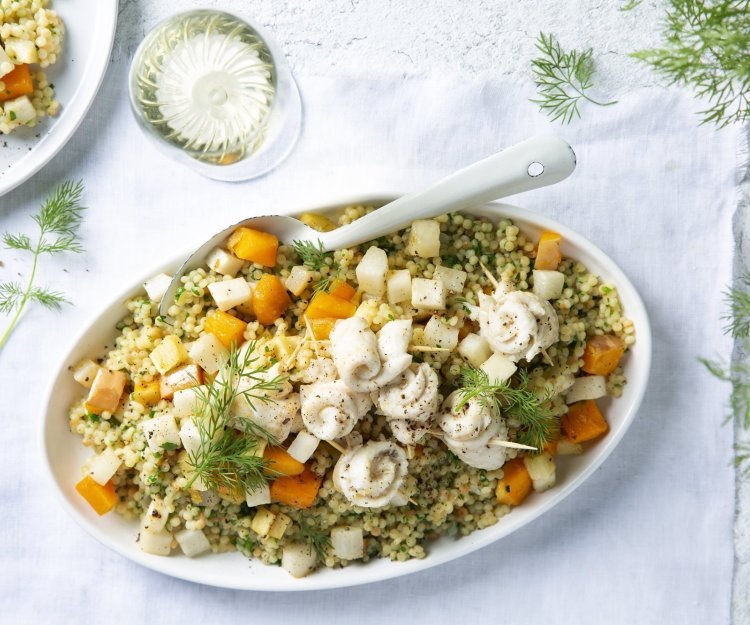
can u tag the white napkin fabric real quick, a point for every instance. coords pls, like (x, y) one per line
(647, 539)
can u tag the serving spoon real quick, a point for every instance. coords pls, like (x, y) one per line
(537, 162)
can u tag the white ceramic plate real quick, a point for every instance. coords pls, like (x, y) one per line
(90, 31)
(64, 454)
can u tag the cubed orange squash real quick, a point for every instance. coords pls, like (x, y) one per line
(548, 254)
(324, 305)
(17, 83)
(270, 299)
(321, 328)
(101, 498)
(147, 393)
(515, 485)
(225, 327)
(342, 289)
(583, 422)
(254, 245)
(602, 354)
(298, 491)
(279, 462)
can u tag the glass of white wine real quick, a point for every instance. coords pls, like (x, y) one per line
(214, 92)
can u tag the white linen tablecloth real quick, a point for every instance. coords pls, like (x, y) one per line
(647, 539)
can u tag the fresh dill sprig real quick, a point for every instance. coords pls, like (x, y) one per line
(229, 454)
(630, 5)
(738, 375)
(59, 219)
(737, 300)
(314, 257)
(562, 79)
(706, 47)
(538, 425)
(742, 458)
(317, 540)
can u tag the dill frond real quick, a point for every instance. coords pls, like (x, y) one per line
(738, 375)
(317, 540)
(737, 300)
(314, 257)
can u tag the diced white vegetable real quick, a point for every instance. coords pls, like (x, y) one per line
(223, 262)
(106, 391)
(6, 65)
(190, 436)
(566, 448)
(192, 542)
(298, 559)
(541, 468)
(156, 543)
(372, 270)
(303, 446)
(21, 51)
(548, 284)
(262, 521)
(246, 308)
(424, 238)
(160, 431)
(347, 543)
(168, 354)
(155, 518)
(299, 279)
(279, 525)
(398, 284)
(453, 279)
(21, 109)
(208, 352)
(157, 286)
(185, 401)
(440, 334)
(261, 496)
(475, 349)
(230, 293)
(587, 387)
(85, 372)
(180, 378)
(427, 294)
(104, 466)
(498, 368)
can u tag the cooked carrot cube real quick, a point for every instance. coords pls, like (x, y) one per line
(254, 245)
(270, 299)
(583, 422)
(321, 328)
(101, 498)
(548, 254)
(602, 354)
(515, 485)
(342, 289)
(225, 327)
(281, 463)
(299, 491)
(17, 83)
(324, 305)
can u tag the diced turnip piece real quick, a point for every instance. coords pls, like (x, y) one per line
(262, 521)
(192, 542)
(230, 293)
(427, 294)
(21, 109)
(424, 238)
(541, 468)
(106, 391)
(372, 270)
(303, 446)
(156, 543)
(298, 559)
(157, 286)
(183, 377)
(161, 431)
(279, 525)
(587, 387)
(261, 496)
(223, 262)
(208, 352)
(246, 308)
(104, 466)
(566, 448)
(21, 51)
(155, 518)
(6, 65)
(85, 372)
(168, 354)
(347, 543)
(439, 334)
(475, 349)
(548, 284)
(186, 401)
(453, 279)
(398, 284)
(190, 436)
(498, 368)
(299, 279)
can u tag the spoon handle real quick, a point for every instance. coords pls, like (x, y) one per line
(531, 164)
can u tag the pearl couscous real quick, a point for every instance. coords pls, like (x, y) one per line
(415, 386)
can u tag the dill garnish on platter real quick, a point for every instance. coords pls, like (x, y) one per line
(230, 453)
(315, 258)
(317, 540)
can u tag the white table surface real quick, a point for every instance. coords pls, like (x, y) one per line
(649, 536)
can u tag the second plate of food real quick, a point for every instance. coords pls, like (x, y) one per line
(351, 416)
